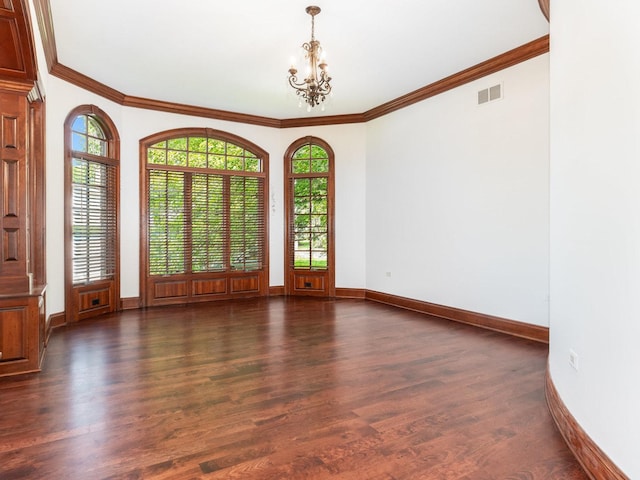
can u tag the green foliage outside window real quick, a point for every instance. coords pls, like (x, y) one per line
(209, 217)
(310, 203)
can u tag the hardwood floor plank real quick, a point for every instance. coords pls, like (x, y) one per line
(282, 388)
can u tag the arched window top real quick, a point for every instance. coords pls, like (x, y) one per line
(87, 136)
(310, 155)
(204, 149)
(91, 131)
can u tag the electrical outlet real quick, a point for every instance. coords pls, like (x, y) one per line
(388, 274)
(573, 360)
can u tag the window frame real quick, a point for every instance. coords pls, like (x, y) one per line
(195, 286)
(92, 297)
(311, 281)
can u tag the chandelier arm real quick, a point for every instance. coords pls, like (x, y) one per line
(293, 81)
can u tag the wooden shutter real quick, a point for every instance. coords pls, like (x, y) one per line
(168, 239)
(94, 214)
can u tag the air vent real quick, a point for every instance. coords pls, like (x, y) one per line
(490, 94)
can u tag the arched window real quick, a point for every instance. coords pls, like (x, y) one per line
(91, 214)
(204, 217)
(309, 192)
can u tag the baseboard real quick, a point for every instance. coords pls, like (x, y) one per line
(511, 327)
(594, 461)
(277, 291)
(131, 303)
(57, 319)
(503, 325)
(351, 293)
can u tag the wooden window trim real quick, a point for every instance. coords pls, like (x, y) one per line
(328, 288)
(256, 282)
(104, 295)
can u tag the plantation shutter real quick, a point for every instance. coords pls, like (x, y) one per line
(206, 207)
(209, 223)
(247, 223)
(168, 239)
(94, 214)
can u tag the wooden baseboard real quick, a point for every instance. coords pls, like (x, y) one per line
(351, 293)
(595, 462)
(511, 327)
(277, 291)
(131, 303)
(57, 319)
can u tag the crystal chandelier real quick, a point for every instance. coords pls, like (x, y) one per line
(316, 86)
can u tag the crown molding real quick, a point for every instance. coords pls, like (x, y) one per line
(495, 64)
(87, 83)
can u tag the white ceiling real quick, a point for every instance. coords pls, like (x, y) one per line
(234, 55)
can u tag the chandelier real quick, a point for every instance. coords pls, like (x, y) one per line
(316, 86)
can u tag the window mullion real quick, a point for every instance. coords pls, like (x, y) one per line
(188, 237)
(226, 179)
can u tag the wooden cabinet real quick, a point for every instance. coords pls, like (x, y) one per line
(22, 332)
(23, 327)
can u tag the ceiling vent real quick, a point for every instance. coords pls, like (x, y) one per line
(490, 94)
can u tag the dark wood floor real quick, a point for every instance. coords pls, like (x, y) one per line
(282, 389)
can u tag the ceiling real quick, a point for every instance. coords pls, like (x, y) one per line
(234, 55)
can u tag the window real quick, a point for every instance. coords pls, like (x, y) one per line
(205, 210)
(310, 227)
(92, 213)
(309, 192)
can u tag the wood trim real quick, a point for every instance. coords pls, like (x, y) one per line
(75, 293)
(277, 291)
(57, 319)
(179, 288)
(86, 83)
(595, 462)
(323, 281)
(45, 25)
(359, 293)
(511, 327)
(493, 65)
(131, 303)
(322, 121)
(162, 106)
(37, 191)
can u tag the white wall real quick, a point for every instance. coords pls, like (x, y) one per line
(595, 220)
(457, 198)
(348, 142)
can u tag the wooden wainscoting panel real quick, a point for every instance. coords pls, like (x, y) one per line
(308, 282)
(210, 286)
(246, 284)
(171, 289)
(594, 461)
(93, 299)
